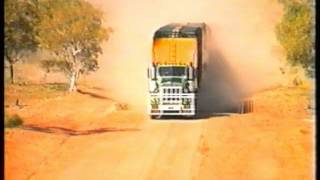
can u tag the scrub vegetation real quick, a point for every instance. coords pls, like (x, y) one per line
(71, 31)
(12, 121)
(19, 32)
(296, 33)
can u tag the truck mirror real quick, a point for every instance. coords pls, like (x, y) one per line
(190, 73)
(153, 72)
(148, 73)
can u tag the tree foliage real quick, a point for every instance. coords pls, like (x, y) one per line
(72, 30)
(294, 33)
(19, 22)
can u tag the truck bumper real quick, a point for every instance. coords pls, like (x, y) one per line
(172, 112)
(173, 107)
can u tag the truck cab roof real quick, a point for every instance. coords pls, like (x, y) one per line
(179, 30)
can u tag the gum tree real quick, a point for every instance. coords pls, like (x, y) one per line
(19, 34)
(72, 30)
(295, 33)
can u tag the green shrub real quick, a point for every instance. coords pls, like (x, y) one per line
(12, 121)
(296, 33)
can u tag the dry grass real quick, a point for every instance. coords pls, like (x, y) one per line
(286, 101)
(26, 94)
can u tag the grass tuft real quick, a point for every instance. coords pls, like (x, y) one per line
(12, 121)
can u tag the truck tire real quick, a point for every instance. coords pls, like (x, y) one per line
(190, 116)
(155, 116)
(245, 107)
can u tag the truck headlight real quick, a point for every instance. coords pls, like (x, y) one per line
(191, 86)
(153, 87)
(156, 90)
(185, 90)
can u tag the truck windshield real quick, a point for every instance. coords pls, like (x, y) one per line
(172, 71)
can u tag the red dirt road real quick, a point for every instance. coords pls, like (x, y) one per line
(117, 144)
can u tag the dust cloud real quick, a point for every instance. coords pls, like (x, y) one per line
(243, 50)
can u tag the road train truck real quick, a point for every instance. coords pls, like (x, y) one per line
(175, 71)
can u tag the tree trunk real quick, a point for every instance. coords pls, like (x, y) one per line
(44, 79)
(11, 73)
(77, 77)
(72, 86)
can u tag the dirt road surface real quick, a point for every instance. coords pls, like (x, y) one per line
(94, 140)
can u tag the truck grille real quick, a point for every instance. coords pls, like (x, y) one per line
(171, 101)
(171, 95)
(171, 90)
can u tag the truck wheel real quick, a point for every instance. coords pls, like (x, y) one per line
(190, 116)
(241, 107)
(155, 116)
(245, 108)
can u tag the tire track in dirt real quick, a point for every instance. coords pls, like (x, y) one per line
(201, 153)
(174, 157)
(45, 161)
(138, 155)
(124, 144)
(68, 133)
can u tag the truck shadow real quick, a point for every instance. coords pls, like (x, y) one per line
(199, 116)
